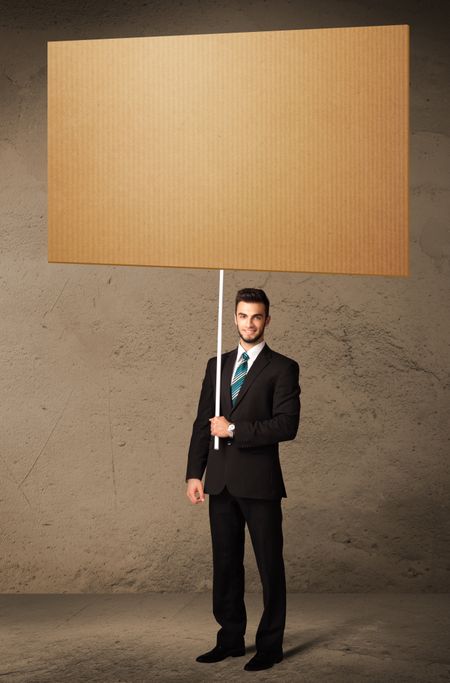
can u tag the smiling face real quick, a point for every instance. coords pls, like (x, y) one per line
(251, 321)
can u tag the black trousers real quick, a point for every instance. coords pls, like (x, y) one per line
(228, 515)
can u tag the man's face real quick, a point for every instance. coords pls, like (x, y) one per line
(251, 321)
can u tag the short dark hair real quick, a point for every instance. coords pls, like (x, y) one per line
(251, 295)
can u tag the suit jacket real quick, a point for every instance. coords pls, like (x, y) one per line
(266, 412)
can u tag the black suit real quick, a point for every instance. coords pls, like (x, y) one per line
(245, 485)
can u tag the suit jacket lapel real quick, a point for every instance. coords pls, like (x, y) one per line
(263, 359)
(225, 382)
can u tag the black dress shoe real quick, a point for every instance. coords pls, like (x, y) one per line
(263, 660)
(221, 652)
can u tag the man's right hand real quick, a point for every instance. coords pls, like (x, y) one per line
(194, 487)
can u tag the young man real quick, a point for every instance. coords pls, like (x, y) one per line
(260, 406)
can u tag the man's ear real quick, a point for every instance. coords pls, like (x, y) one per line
(268, 319)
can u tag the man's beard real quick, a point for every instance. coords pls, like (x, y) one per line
(252, 340)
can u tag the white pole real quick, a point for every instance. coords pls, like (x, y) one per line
(219, 354)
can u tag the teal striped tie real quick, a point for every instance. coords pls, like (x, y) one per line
(239, 376)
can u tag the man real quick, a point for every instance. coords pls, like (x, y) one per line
(260, 406)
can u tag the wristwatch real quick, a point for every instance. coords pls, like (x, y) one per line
(231, 428)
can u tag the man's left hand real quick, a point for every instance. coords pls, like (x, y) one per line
(219, 426)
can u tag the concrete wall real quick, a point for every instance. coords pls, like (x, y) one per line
(97, 405)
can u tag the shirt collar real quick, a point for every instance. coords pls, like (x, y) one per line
(253, 352)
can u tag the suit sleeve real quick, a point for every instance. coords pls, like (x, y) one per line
(283, 425)
(201, 429)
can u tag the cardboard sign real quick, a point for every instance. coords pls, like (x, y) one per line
(274, 150)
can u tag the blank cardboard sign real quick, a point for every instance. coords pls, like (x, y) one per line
(274, 150)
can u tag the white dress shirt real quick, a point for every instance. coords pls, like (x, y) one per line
(253, 352)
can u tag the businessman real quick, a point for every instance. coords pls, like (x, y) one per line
(260, 406)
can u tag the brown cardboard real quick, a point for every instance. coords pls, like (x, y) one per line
(275, 150)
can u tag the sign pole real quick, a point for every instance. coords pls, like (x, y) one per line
(219, 354)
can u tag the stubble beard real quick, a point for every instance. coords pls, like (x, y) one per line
(252, 340)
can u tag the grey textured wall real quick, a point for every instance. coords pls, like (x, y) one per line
(97, 405)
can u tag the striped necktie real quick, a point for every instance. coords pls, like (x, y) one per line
(239, 376)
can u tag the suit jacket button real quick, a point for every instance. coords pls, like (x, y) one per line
(228, 443)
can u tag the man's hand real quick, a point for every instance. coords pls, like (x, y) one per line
(195, 486)
(219, 426)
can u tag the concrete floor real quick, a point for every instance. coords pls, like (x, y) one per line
(155, 637)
